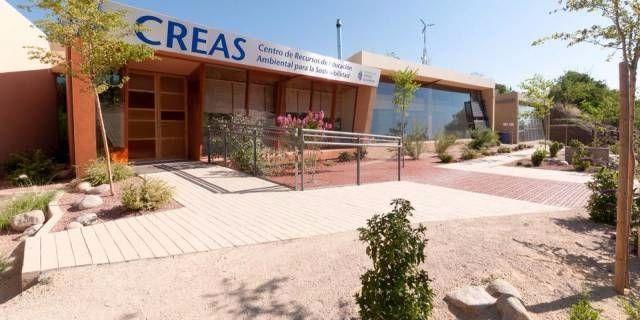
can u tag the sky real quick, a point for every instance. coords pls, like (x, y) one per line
(488, 37)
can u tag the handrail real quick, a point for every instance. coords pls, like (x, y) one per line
(350, 134)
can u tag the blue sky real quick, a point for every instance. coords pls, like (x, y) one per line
(490, 37)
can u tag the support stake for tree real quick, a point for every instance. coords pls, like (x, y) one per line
(105, 143)
(625, 189)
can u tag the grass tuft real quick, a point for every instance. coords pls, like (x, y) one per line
(24, 203)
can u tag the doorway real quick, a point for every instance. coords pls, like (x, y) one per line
(156, 116)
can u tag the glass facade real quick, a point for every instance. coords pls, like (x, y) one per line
(530, 128)
(436, 110)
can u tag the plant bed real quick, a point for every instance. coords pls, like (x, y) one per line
(111, 208)
(545, 165)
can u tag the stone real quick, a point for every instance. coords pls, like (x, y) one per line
(90, 201)
(102, 189)
(31, 231)
(87, 219)
(563, 163)
(23, 221)
(500, 287)
(511, 308)
(470, 299)
(83, 187)
(74, 225)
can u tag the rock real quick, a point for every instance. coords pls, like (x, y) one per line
(563, 163)
(102, 189)
(23, 221)
(500, 287)
(511, 308)
(89, 201)
(31, 231)
(74, 225)
(83, 187)
(470, 299)
(87, 219)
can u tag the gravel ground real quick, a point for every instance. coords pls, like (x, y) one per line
(549, 257)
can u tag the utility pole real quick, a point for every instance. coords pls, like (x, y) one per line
(425, 57)
(339, 29)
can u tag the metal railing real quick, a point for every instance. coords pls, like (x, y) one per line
(287, 155)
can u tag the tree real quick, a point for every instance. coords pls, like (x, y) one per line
(503, 89)
(537, 95)
(405, 88)
(98, 37)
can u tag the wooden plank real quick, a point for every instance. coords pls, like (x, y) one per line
(177, 217)
(154, 245)
(220, 236)
(127, 250)
(141, 248)
(167, 229)
(31, 258)
(63, 247)
(624, 192)
(80, 251)
(48, 252)
(98, 256)
(110, 247)
(184, 230)
(164, 241)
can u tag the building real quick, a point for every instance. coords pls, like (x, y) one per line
(202, 72)
(514, 121)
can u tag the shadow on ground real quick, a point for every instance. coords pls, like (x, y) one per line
(10, 285)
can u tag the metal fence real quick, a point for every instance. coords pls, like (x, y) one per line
(303, 158)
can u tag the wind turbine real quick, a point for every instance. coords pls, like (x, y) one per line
(425, 58)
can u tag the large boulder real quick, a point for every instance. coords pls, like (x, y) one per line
(87, 219)
(500, 287)
(511, 308)
(83, 187)
(102, 189)
(90, 201)
(23, 221)
(471, 299)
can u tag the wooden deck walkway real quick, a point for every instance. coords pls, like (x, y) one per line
(224, 208)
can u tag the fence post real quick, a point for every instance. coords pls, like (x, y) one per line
(358, 155)
(295, 168)
(301, 144)
(224, 142)
(208, 143)
(255, 152)
(399, 147)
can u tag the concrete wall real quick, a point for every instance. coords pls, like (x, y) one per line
(506, 115)
(27, 89)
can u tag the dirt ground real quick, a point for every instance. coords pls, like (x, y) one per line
(551, 258)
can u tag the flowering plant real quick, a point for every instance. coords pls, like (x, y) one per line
(312, 120)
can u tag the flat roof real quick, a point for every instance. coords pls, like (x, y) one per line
(425, 73)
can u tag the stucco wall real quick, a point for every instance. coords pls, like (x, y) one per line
(506, 115)
(27, 89)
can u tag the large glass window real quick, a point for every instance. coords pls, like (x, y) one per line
(436, 110)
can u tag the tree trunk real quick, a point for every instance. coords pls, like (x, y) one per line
(105, 143)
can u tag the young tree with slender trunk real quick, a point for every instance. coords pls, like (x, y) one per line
(536, 90)
(98, 36)
(405, 88)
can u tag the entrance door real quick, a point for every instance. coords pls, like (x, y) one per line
(157, 119)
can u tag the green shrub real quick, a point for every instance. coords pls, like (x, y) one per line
(575, 143)
(537, 157)
(602, 201)
(30, 167)
(583, 310)
(468, 154)
(554, 148)
(631, 308)
(414, 142)
(580, 159)
(96, 171)
(486, 152)
(444, 142)
(396, 287)
(363, 154)
(483, 138)
(445, 157)
(148, 195)
(504, 149)
(24, 203)
(345, 157)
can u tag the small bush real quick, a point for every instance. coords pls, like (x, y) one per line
(414, 142)
(487, 152)
(575, 143)
(148, 195)
(444, 142)
(631, 308)
(583, 310)
(363, 154)
(483, 138)
(554, 148)
(24, 203)
(468, 154)
(580, 159)
(504, 149)
(445, 157)
(396, 287)
(345, 157)
(537, 157)
(96, 172)
(31, 167)
(602, 201)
